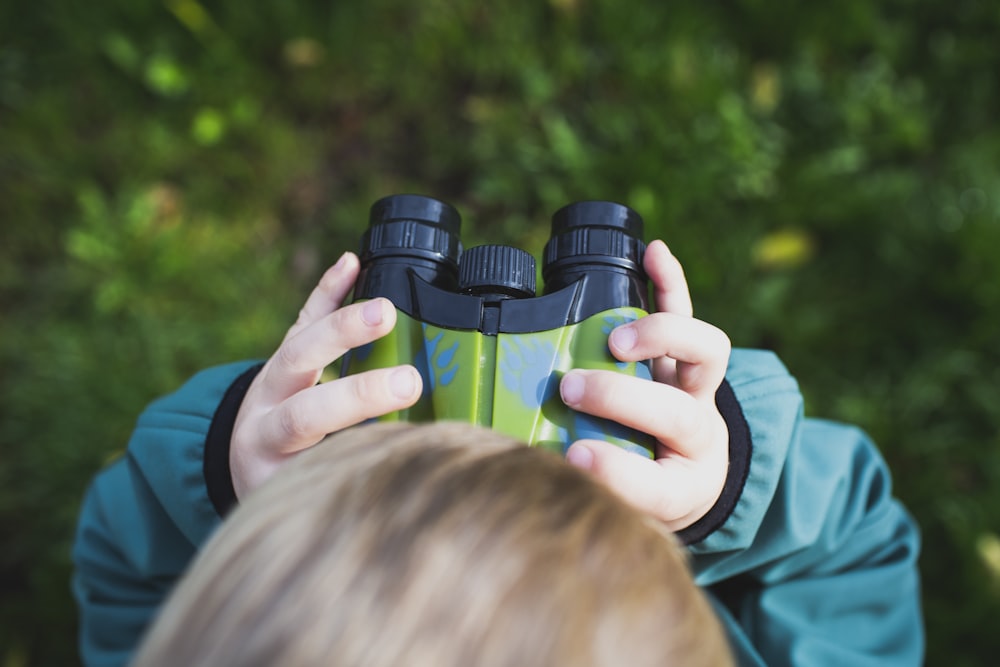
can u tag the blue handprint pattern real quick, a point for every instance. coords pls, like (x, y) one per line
(440, 363)
(526, 369)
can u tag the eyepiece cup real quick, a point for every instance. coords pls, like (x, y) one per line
(597, 214)
(596, 233)
(412, 226)
(417, 208)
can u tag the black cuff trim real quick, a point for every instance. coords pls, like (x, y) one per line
(218, 478)
(740, 449)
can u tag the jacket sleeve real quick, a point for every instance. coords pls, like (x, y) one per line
(146, 514)
(817, 562)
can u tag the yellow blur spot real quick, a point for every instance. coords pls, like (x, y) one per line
(765, 87)
(191, 14)
(566, 6)
(303, 52)
(988, 546)
(479, 109)
(783, 249)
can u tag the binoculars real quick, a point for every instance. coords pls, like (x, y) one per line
(490, 351)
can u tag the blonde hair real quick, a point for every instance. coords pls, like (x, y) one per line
(435, 546)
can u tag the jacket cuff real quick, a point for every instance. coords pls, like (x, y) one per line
(740, 450)
(218, 476)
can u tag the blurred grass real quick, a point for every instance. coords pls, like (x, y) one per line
(174, 176)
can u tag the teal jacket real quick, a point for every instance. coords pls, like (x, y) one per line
(807, 557)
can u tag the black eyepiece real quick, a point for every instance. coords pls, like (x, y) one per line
(412, 226)
(409, 234)
(594, 233)
(602, 240)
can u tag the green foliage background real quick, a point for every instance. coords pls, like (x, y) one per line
(174, 177)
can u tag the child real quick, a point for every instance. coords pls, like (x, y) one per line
(790, 521)
(436, 545)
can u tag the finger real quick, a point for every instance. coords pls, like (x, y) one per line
(329, 294)
(670, 415)
(700, 349)
(670, 288)
(299, 360)
(308, 416)
(665, 488)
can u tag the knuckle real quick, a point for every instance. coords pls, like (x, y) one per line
(294, 421)
(688, 425)
(336, 322)
(303, 317)
(665, 507)
(601, 396)
(329, 282)
(348, 326)
(342, 329)
(287, 355)
(691, 427)
(365, 388)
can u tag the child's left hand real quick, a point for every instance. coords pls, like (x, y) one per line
(678, 409)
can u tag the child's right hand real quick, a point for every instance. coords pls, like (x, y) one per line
(285, 411)
(689, 364)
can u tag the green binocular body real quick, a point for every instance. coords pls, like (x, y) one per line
(490, 352)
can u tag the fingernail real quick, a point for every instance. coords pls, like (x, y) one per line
(580, 456)
(371, 312)
(340, 262)
(624, 338)
(403, 382)
(571, 388)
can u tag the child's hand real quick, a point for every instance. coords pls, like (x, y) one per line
(678, 409)
(285, 411)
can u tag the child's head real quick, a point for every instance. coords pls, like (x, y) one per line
(434, 546)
